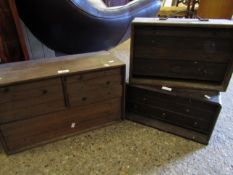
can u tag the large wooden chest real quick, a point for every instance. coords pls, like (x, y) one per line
(189, 114)
(184, 53)
(47, 99)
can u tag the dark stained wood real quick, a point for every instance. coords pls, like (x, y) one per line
(184, 53)
(12, 42)
(38, 103)
(13, 73)
(195, 114)
(31, 131)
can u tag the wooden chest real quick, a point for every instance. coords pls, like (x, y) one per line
(189, 114)
(184, 53)
(12, 42)
(43, 100)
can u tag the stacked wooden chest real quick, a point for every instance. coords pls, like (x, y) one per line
(43, 100)
(177, 68)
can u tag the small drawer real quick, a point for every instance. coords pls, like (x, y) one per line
(23, 134)
(31, 99)
(103, 81)
(191, 70)
(92, 95)
(95, 76)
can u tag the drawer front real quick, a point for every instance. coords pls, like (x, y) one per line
(26, 133)
(184, 44)
(94, 87)
(171, 117)
(189, 113)
(95, 76)
(30, 99)
(192, 70)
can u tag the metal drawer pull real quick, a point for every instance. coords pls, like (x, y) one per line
(73, 125)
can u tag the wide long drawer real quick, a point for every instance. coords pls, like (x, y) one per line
(25, 133)
(178, 69)
(198, 115)
(31, 99)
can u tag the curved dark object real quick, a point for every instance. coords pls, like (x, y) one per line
(79, 26)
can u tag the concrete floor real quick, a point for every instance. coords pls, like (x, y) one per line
(128, 148)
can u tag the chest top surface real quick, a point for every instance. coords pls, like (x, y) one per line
(215, 23)
(47, 68)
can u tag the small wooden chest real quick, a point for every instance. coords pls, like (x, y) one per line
(185, 53)
(189, 114)
(43, 100)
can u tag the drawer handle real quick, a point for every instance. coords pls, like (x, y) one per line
(195, 124)
(6, 90)
(108, 82)
(44, 92)
(84, 99)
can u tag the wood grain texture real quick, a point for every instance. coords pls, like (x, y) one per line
(40, 104)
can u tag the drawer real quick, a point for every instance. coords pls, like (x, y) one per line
(192, 113)
(31, 99)
(172, 117)
(93, 87)
(92, 95)
(177, 69)
(96, 77)
(167, 31)
(181, 48)
(23, 134)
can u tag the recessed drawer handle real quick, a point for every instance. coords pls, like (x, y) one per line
(6, 90)
(108, 82)
(84, 99)
(44, 92)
